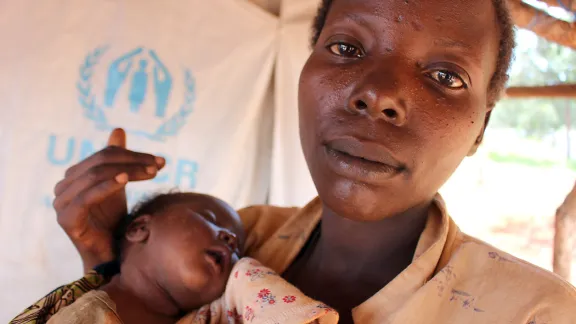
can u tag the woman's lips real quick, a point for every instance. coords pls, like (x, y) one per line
(361, 160)
(370, 151)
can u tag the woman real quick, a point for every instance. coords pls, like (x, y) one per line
(393, 97)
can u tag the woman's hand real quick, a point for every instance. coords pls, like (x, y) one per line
(91, 199)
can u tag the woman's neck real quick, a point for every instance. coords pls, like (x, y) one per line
(364, 248)
(351, 261)
(139, 299)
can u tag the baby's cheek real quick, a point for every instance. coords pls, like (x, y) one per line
(193, 272)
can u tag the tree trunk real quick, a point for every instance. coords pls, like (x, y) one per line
(563, 235)
(565, 4)
(542, 24)
(568, 118)
(549, 91)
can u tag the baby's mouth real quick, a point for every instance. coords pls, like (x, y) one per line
(219, 258)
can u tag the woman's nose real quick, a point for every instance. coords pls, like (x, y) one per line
(378, 108)
(229, 239)
(378, 100)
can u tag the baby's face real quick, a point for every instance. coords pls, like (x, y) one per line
(193, 245)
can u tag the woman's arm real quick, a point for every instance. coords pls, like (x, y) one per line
(89, 203)
(91, 198)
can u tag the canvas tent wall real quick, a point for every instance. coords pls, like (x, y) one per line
(190, 80)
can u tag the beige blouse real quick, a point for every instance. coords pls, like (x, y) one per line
(454, 278)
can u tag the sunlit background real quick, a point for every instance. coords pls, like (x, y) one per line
(508, 193)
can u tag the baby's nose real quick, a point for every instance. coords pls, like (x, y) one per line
(229, 239)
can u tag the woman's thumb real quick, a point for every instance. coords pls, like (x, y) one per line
(117, 138)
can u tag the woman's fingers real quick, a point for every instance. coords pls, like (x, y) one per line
(115, 152)
(77, 210)
(112, 154)
(66, 189)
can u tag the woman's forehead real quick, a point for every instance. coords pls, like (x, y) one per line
(449, 19)
(466, 28)
(445, 8)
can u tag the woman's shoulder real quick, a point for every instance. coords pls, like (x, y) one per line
(262, 221)
(519, 280)
(265, 215)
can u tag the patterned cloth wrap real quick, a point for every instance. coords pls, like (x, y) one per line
(59, 298)
(254, 294)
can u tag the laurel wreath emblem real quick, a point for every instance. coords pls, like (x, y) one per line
(94, 112)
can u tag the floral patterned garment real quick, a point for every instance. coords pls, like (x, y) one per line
(256, 294)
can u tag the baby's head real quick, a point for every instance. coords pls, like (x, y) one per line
(185, 243)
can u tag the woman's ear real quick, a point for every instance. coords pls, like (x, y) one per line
(139, 230)
(480, 137)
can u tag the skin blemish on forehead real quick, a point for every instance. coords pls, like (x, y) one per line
(417, 26)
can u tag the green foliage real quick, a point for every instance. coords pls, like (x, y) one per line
(529, 161)
(538, 62)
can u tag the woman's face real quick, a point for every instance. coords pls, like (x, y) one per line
(392, 98)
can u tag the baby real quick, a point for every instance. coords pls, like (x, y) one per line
(178, 253)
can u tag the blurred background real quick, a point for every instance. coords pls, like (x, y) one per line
(526, 166)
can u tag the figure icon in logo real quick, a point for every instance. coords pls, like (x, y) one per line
(162, 85)
(138, 86)
(135, 68)
(117, 74)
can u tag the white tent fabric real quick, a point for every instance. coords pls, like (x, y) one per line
(291, 183)
(189, 80)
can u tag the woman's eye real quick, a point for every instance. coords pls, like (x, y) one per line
(448, 79)
(346, 50)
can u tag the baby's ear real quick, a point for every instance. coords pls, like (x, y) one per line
(139, 230)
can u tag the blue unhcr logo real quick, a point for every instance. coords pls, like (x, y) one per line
(132, 70)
